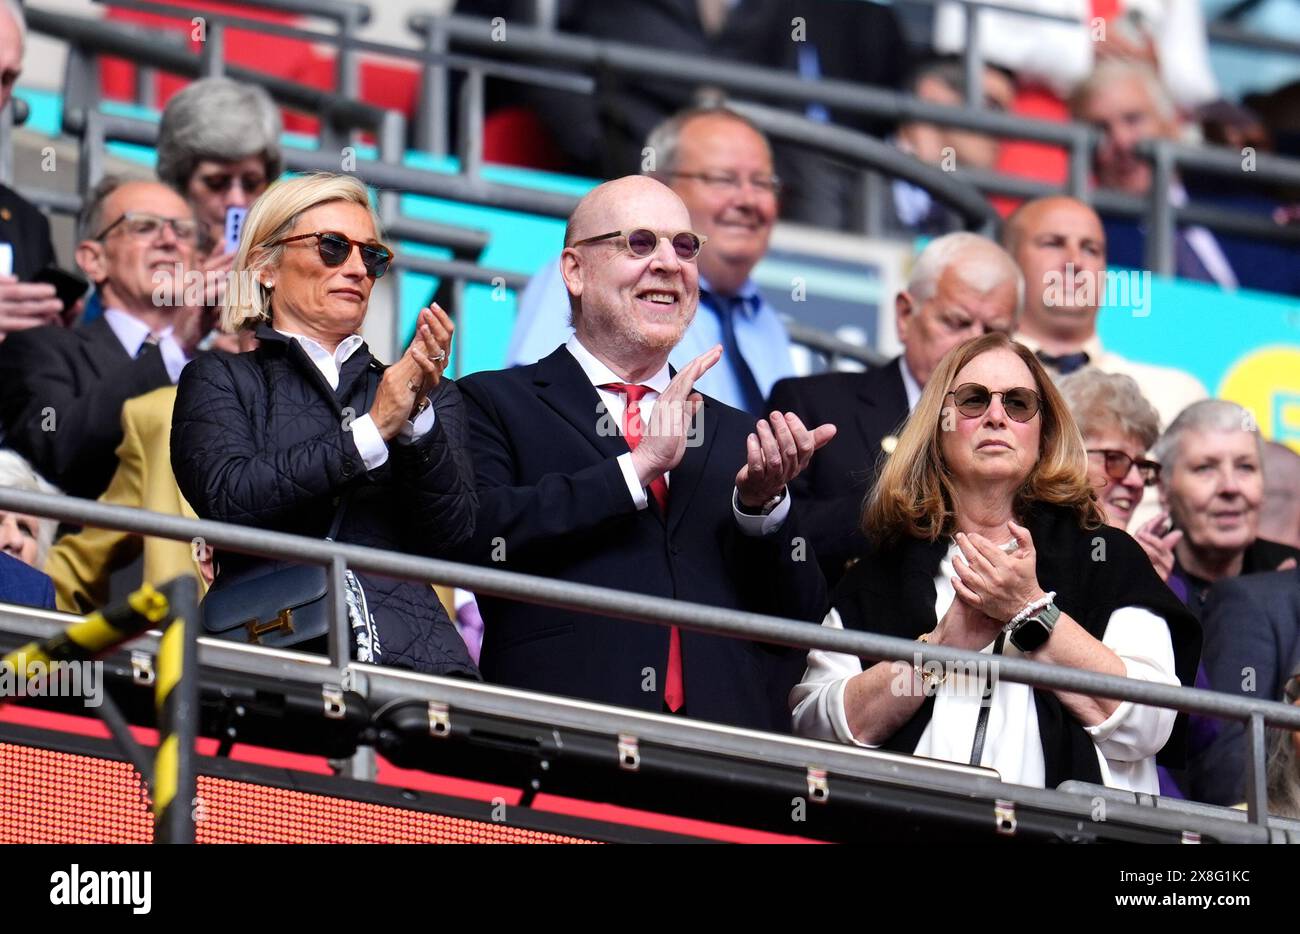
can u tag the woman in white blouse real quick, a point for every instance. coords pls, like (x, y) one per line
(986, 535)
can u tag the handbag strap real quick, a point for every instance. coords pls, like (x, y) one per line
(338, 516)
(986, 704)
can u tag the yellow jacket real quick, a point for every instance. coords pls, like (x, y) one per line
(82, 563)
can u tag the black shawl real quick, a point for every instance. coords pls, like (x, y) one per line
(1094, 572)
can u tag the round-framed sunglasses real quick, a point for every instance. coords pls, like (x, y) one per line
(972, 400)
(642, 241)
(1118, 465)
(334, 249)
(222, 182)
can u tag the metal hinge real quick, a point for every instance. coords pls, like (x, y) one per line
(629, 752)
(335, 707)
(142, 672)
(819, 788)
(1004, 816)
(439, 719)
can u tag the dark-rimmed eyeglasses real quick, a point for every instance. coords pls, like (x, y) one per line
(730, 181)
(143, 225)
(220, 182)
(641, 242)
(334, 249)
(1118, 465)
(972, 400)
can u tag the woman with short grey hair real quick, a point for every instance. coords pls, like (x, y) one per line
(1212, 483)
(219, 146)
(26, 537)
(1119, 426)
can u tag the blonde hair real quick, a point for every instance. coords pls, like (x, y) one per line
(915, 496)
(273, 215)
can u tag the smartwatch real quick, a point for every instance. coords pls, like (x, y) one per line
(1032, 633)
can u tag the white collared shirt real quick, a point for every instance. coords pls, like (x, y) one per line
(910, 385)
(1127, 741)
(614, 408)
(1205, 245)
(370, 443)
(131, 333)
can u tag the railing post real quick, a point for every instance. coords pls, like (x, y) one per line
(1161, 230)
(469, 148)
(7, 144)
(146, 86)
(1256, 770)
(80, 85)
(973, 61)
(340, 641)
(875, 199)
(348, 63)
(212, 57)
(432, 121)
(90, 165)
(1080, 165)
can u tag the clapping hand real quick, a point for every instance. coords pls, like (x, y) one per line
(778, 450)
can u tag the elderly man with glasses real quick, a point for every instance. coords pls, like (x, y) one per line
(600, 464)
(62, 391)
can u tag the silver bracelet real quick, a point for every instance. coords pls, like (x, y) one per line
(1029, 609)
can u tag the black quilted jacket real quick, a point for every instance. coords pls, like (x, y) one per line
(259, 439)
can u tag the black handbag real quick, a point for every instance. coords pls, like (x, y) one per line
(274, 607)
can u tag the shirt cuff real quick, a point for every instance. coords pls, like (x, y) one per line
(370, 443)
(633, 481)
(412, 431)
(757, 526)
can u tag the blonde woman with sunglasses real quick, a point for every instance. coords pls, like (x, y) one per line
(309, 433)
(985, 535)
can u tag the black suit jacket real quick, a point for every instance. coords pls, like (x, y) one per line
(553, 502)
(1252, 646)
(25, 228)
(866, 408)
(61, 395)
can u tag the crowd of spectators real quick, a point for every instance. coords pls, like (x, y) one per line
(1005, 484)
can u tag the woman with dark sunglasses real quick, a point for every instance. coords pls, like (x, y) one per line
(309, 433)
(986, 535)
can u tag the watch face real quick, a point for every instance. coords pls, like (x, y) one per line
(1030, 635)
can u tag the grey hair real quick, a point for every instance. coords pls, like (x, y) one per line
(218, 119)
(17, 474)
(1098, 400)
(15, 9)
(664, 140)
(1282, 775)
(1206, 415)
(980, 264)
(91, 220)
(1114, 69)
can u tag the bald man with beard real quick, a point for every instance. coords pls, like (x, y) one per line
(601, 465)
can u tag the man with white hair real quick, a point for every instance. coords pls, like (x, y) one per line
(25, 246)
(962, 286)
(1126, 102)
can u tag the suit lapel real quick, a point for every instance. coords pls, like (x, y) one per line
(101, 348)
(883, 405)
(685, 478)
(563, 386)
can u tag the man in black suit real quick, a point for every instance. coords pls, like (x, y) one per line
(61, 391)
(1252, 646)
(594, 465)
(962, 285)
(25, 247)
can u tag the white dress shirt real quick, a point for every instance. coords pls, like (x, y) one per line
(614, 407)
(910, 385)
(370, 443)
(1126, 741)
(131, 333)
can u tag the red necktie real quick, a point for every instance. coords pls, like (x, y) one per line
(633, 428)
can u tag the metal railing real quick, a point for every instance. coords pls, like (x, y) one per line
(339, 558)
(599, 56)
